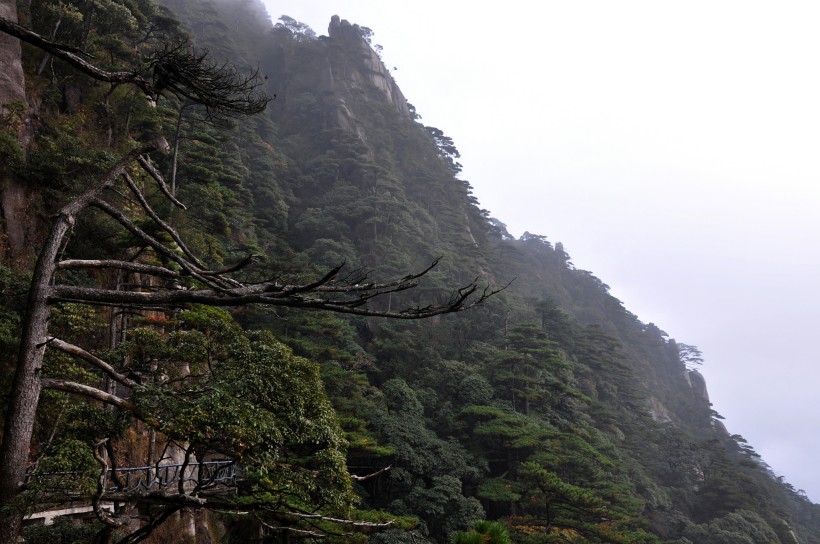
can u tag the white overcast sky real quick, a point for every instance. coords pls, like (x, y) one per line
(673, 147)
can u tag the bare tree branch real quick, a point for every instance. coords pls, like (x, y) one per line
(145, 531)
(80, 353)
(102, 514)
(159, 247)
(92, 393)
(181, 484)
(232, 268)
(372, 475)
(282, 528)
(459, 300)
(174, 68)
(163, 225)
(340, 521)
(160, 181)
(83, 201)
(220, 88)
(71, 55)
(406, 282)
(151, 270)
(313, 286)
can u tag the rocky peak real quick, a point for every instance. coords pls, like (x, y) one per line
(372, 67)
(698, 384)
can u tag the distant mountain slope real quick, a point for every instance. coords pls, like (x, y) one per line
(552, 394)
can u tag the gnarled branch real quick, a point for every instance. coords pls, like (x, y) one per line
(130, 266)
(460, 300)
(371, 475)
(92, 393)
(197, 264)
(154, 173)
(96, 500)
(174, 68)
(72, 56)
(80, 353)
(190, 268)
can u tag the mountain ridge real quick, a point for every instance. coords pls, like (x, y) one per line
(587, 299)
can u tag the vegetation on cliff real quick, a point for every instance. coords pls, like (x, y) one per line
(549, 410)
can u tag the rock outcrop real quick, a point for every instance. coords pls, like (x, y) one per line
(373, 67)
(12, 81)
(658, 411)
(698, 384)
(14, 198)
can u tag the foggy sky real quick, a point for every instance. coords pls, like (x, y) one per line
(672, 148)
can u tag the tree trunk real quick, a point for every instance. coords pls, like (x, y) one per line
(25, 392)
(26, 388)
(27, 384)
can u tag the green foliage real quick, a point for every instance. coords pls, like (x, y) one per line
(68, 456)
(62, 531)
(89, 22)
(483, 532)
(442, 505)
(11, 153)
(68, 467)
(13, 288)
(418, 450)
(510, 429)
(580, 510)
(299, 31)
(499, 490)
(248, 397)
(740, 527)
(66, 156)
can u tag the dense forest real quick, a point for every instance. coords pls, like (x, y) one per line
(232, 240)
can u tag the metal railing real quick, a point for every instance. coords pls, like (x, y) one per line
(159, 477)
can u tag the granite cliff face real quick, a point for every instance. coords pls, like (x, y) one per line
(14, 198)
(346, 79)
(698, 384)
(354, 70)
(371, 68)
(12, 81)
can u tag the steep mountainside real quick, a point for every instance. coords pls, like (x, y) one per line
(549, 408)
